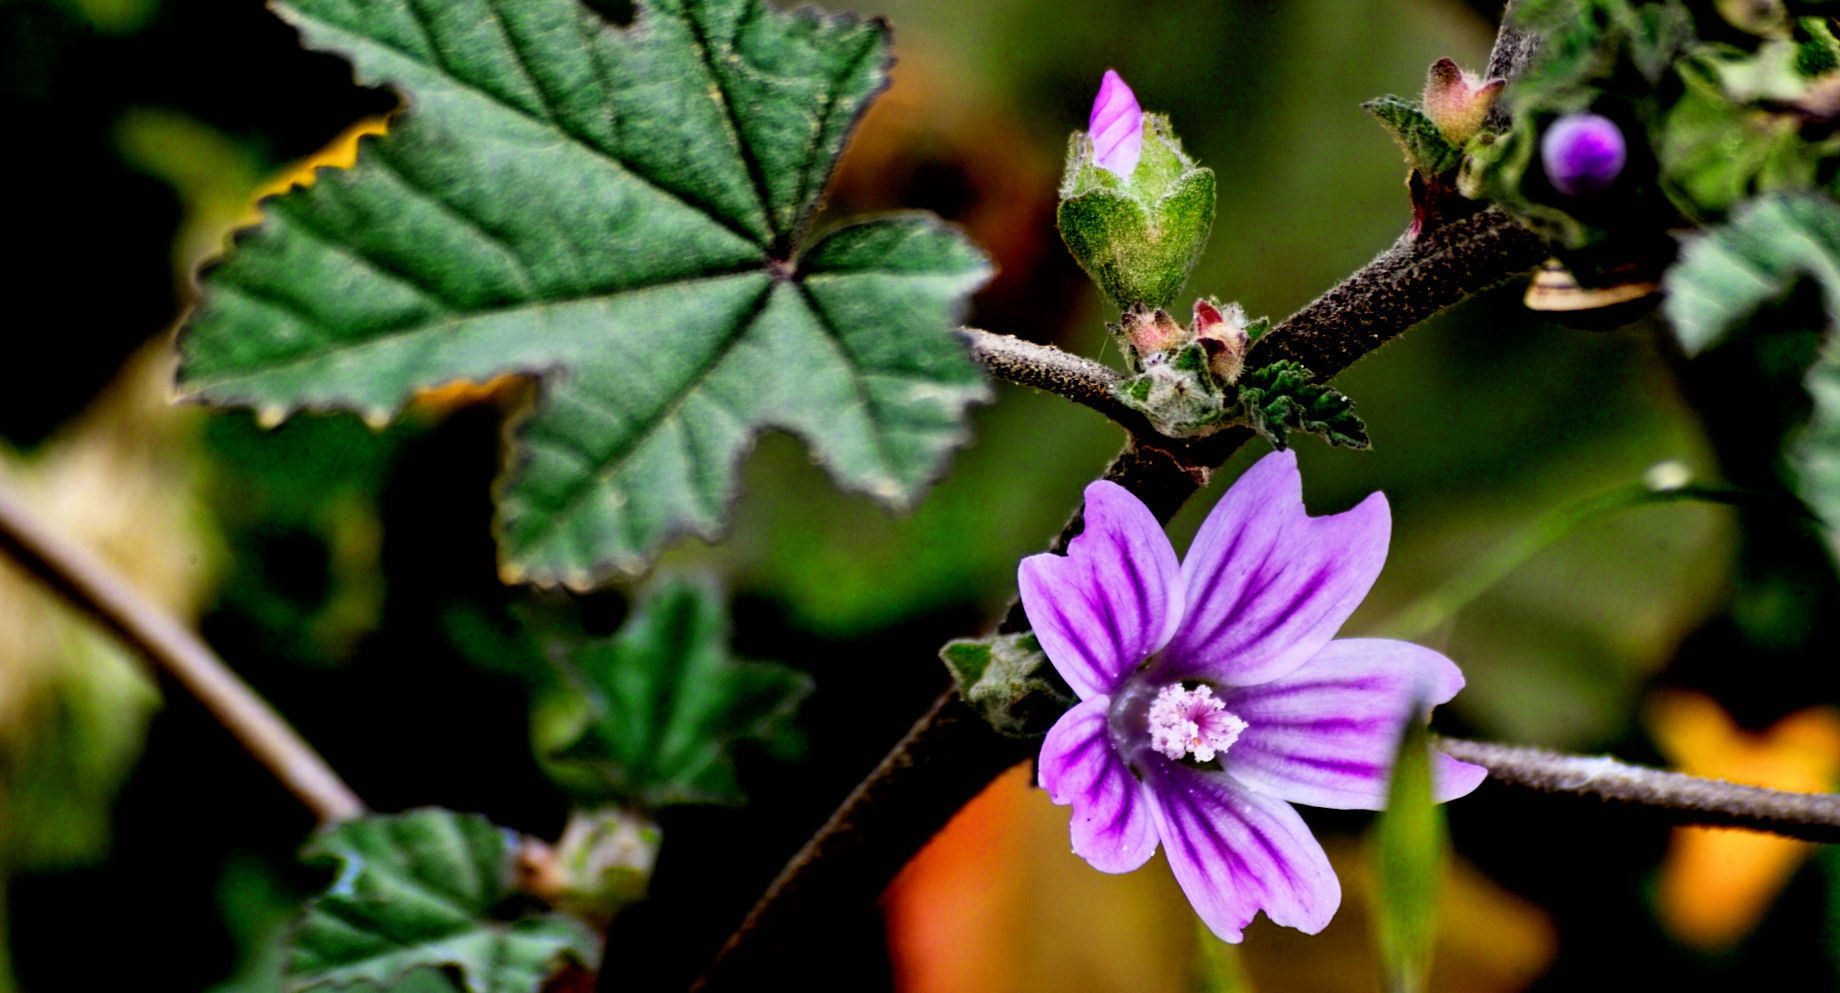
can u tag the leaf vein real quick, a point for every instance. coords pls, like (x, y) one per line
(614, 456)
(863, 394)
(362, 39)
(742, 148)
(454, 318)
(522, 62)
(303, 221)
(519, 269)
(809, 177)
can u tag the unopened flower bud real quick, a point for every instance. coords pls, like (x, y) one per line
(1135, 209)
(1457, 101)
(1223, 336)
(1583, 153)
(1150, 331)
(1116, 126)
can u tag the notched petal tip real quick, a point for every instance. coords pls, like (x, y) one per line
(1267, 584)
(1453, 778)
(1111, 827)
(1326, 733)
(1236, 852)
(1112, 601)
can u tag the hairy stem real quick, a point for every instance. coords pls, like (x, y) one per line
(1050, 370)
(1684, 799)
(947, 758)
(171, 649)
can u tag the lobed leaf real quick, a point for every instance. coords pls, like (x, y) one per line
(1282, 397)
(666, 702)
(427, 890)
(623, 215)
(1427, 150)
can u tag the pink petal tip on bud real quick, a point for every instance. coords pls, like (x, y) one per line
(1116, 126)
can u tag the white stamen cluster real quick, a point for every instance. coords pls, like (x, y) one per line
(1192, 722)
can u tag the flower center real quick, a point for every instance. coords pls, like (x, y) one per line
(1192, 722)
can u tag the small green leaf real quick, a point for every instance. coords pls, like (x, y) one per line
(1427, 151)
(427, 889)
(1282, 397)
(1009, 680)
(665, 702)
(1408, 843)
(623, 215)
(1817, 50)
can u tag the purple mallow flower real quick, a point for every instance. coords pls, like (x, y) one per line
(1116, 126)
(1212, 696)
(1583, 153)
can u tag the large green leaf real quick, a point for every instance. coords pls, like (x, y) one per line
(665, 702)
(623, 214)
(1727, 274)
(428, 889)
(1730, 276)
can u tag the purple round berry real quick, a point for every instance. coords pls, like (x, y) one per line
(1583, 153)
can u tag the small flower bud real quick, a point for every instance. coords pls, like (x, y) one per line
(1135, 209)
(1116, 126)
(1150, 331)
(603, 861)
(1457, 101)
(1223, 336)
(1583, 153)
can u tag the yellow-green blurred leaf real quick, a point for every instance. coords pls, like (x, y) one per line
(1409, 853)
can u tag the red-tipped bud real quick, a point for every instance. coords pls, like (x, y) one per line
(1457, 101)
(1151, 331)
(1223, 334)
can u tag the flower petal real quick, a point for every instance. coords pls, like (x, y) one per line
(1325, 734)
(1112, 600)
(1116, 125)
(1236, 852)
(1267, 584)
(1111, 823)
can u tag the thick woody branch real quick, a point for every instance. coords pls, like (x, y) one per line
(172, 650)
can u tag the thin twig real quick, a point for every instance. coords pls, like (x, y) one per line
(170, 648)
(1684, 799)
(1047, 368)
(947, 758)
